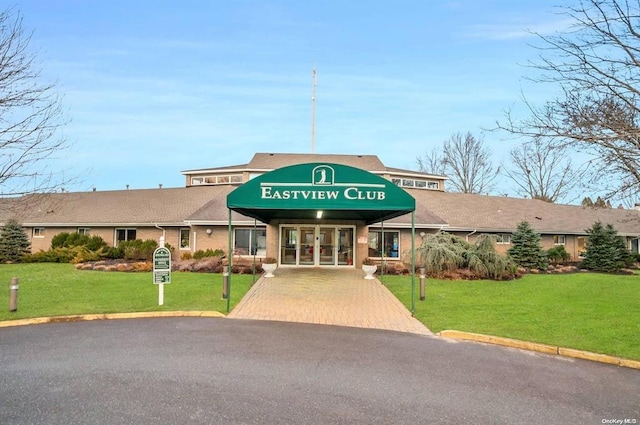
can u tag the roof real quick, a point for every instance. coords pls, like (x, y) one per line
(118, 207)
(207, 205)
(463, 211)
(273, 161)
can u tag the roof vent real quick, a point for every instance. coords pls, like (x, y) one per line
(160, 186)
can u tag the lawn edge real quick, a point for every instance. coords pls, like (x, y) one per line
(541, 348)
(107, 316)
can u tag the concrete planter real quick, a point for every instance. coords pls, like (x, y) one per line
(269, 269)
(369, 271)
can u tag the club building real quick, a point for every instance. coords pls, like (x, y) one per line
(306, 210)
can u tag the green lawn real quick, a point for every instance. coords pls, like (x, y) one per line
(586, 311)
(59, 289)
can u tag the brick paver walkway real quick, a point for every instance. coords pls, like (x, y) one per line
(326, 296)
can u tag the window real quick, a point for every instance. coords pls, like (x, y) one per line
(558, 239)
(185, 242)
(384, 244)
(38, 232)
(125, 235)
(217, 179)
(250, 242)
(503, 238)
(83, 231)
(417, 183)
(581, 246)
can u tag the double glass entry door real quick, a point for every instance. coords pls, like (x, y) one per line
(317, 245)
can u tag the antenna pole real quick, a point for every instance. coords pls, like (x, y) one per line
(313, 112)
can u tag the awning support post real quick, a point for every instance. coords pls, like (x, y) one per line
(254, 247)
(230, 263)
(413, 262)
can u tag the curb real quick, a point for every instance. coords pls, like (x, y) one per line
(540, 348)
(108, 316)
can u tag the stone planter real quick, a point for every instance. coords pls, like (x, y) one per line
(269, 269)
(369, 271)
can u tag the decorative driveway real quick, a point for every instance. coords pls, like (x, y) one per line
(328, 296)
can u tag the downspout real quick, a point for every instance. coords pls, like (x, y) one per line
(164, 233)
(467, 237)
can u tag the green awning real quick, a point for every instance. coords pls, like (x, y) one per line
(320, 190)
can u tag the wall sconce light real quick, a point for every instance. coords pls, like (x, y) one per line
(209, 231)
(422, 234)
(319, 214)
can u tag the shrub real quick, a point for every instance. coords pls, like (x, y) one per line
(605, 250)
(525, 248)
(200, 254)
(441, 251)
(558, 255)
(138, 249)
(14, 242)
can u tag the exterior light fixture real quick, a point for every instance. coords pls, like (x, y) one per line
(422, 234)
(319, 214)
(208, 231)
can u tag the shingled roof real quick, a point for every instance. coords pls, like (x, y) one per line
(207, 205)
(463, 211)
(119, 207)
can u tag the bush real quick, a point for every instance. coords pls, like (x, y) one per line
(200, 254)
(137, 249)
(606, 251)
(558, 255)
(14, 242)
(525, 248)
(443, 254)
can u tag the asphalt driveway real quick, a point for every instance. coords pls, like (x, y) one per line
(217, 370)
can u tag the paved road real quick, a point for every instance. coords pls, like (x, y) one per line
(217, 370)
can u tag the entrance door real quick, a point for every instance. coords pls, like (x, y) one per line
(317, 245)
(326, 244)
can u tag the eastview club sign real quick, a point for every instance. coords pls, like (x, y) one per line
(322, 186)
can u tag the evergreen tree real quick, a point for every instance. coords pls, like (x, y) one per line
(605, 250)
(525, 248)
(14, 242)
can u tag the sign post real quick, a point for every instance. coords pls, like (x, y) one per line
(161, 270)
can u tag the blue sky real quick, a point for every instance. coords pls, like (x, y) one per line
(152, 88)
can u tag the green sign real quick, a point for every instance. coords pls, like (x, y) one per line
(162, 265)
(162, 276)
(300, 191)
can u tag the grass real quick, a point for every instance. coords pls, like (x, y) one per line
(59, 289)
(585, 311)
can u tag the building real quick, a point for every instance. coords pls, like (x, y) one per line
(306, 210)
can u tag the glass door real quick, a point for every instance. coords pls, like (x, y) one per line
(307, 246)
(345, 248)
(289, 245)
(317, 245)
(326, 245)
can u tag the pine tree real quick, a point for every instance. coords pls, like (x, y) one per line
(525, 248)
(605, 250)
(14, 242)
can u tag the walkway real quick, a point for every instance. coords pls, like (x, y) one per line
(326, 296)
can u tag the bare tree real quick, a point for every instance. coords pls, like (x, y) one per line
(596, 65)
(30, 116)
(433, 162)
(466, 161)
(541, 170)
